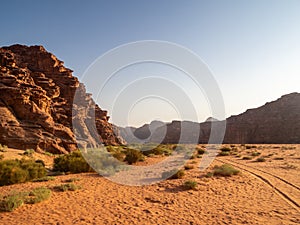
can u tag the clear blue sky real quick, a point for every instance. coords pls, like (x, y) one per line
(252, 47)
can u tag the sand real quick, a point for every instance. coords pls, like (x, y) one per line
(263, 193)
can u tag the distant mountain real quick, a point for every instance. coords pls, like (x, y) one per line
(141, 134)
(211, 119)
(275, 122)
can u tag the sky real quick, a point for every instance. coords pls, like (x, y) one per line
(252, 49)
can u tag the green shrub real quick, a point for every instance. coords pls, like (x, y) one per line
(255, 154)
(157, 150)
(48, 153)
(225, 149)
(246, 158)
(133, 156)
(72, 180)
(10, 203)
(43, 179)
(190, 184)
(3, 148)
(200, 151)
(67, 187)
(19, 171)
(260, 159)
(225, 170)
(173, 174)
(72, 162)
(278, 158)
(224, 154)
(28, 152)
(188, 167)
(119, 156)
(38, 195)
(41, 162)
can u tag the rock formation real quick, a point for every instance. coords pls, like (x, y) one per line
(36, 104)
(277, 122)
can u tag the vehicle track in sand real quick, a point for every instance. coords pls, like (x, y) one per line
(287, 190)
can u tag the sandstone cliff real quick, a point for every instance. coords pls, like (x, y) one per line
(276, 122)
(36, 102)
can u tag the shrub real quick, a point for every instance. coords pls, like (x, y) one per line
(3, 148)
(67, 187)
(133, 156)
(38, 195)
(190, 184)
(225, 149)
(225, 170)
(119, 156)
(72, 180)
(72, 162)
(43, 179)
(15, 200)
(279, 158)
(224, 154)
(41, 162)
(1, 157)
(255, 154)
(28, 152)
(19, 171)
(246, 158)
(157, 150)
(173, 174)
(48, 154)
(188, 167)
(200, 151)
(261, 159)
(10, 203)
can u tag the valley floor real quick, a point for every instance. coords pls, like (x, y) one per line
(263, 193)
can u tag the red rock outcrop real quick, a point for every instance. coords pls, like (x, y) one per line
(277, 122)
(36, 104)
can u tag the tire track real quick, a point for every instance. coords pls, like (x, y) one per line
(263, 175)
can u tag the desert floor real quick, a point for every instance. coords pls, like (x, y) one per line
(263, 193)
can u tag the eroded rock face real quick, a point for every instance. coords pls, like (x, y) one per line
(36, 103)
(276, 122)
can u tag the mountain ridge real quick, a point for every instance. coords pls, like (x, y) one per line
(278, 122)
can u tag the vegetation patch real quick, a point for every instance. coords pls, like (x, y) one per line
(247, 158)
(3, 148)
(72, 162)
(261, 159)
(38, 195)
(188, 167)
(190, 184)
(19, 171)
(133, 156)
(225, 170)
(44, 179)
(72, 180)
(278, 158)
(67, 187)
(10, 203)
(255, 154)
(200, 151)
(224, 154)
(14, 200)
(28, 152)
(225, 149)
(173, 174)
